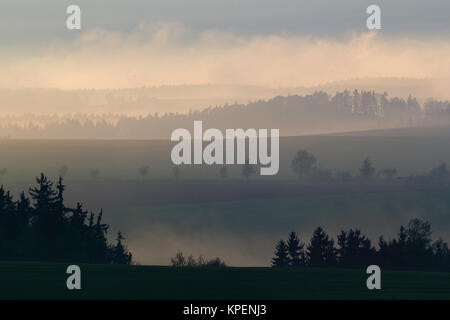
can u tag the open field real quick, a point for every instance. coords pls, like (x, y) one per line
(48, 281)
(237, 221)
(120, 160)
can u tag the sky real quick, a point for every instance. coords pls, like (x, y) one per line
(25, 22)
(272, 43)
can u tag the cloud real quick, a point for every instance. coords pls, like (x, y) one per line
(167, 54)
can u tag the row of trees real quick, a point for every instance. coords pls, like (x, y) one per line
(43, 228)
(412, 249)
(306, 168)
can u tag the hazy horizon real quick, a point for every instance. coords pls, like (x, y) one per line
(169, 50)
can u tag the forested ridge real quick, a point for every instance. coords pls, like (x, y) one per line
(293, 115)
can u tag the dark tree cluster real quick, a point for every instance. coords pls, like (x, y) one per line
(42, 228)
(412, 249)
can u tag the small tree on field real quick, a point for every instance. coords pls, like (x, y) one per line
(248, 171)
(367, 170)
(143, 171)
(304, 164)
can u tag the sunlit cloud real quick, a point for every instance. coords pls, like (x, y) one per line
(167, 54)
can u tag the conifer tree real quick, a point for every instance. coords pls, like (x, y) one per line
(320, 251)
(121, 254)
(281, 258)
(295, 250)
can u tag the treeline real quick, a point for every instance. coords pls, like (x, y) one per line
(42, 228)
(412, 249)
(181, 261)
(305, 167)
(293, 115)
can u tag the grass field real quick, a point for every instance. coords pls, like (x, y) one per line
(48, 281)
(120, 160)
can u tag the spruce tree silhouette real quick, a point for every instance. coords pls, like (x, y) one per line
(281, 258)
(121, 254)
(367, 170)
(295, 251)
(49, 220)
(8, 225)
(320, 251)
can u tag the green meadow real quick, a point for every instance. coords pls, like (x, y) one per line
(26, 280)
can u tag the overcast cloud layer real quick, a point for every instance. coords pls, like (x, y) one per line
(272, 43)
(24, 22)
(173, 54)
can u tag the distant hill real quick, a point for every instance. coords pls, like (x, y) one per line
(315, 113)
(182, 98)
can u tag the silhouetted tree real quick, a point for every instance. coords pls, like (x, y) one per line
(367, 170)
(9, 226)
(320, 251)
(304, 164)
(143, 171)
(248, 170)
(295, 250)
(354, 249)
(217, 262)
(179, 260)
(281, 258)
(121, 254)
(441, 255)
